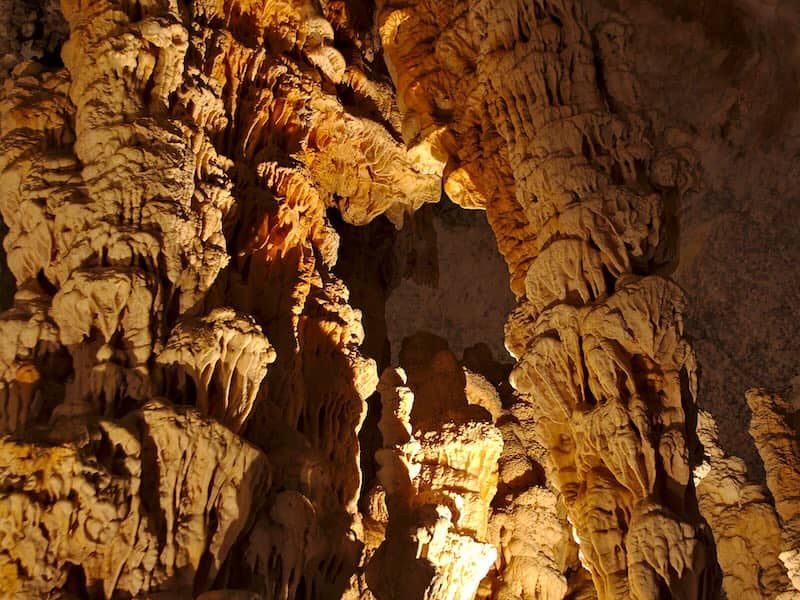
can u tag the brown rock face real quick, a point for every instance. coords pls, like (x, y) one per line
(186, 383)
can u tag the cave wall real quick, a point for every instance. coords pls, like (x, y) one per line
(468, 300)
(729, 87)
(216, 220)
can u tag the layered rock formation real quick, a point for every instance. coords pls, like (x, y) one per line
(182, 381)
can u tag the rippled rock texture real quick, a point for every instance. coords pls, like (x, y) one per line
(208, 205)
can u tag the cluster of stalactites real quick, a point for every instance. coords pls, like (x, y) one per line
(171, 167)
(226, 356)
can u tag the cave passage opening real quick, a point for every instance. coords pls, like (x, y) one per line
(439, 282)
(441, 273)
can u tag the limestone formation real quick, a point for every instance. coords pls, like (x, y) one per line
(152, 502)
(745, 525)
(189, 401)
(603, 366)
(29, 336)
(226, 356)
(773, 427)
(438, 478)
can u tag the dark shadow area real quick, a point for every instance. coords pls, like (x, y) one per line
(465, 297)
(8, 285)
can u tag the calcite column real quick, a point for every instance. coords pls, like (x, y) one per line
(539, 115)
(146, 238)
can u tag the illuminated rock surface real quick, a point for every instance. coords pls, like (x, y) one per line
(207, 209)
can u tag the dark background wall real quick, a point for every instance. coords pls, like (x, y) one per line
(723, 79)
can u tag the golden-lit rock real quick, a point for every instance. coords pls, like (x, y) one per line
(131, 502)
(774, 431)
(439, 479)
(183, 394)
(542, 122)
(746, 529)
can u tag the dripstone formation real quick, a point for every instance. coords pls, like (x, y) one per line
(185, 407)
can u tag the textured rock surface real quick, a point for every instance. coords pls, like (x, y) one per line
(185, 381)
(774, 430)
(150, 503)
(226, 356)
(746, 528)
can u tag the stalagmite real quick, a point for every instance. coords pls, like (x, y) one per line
(773, 427)
(439, 478)
(746, 528)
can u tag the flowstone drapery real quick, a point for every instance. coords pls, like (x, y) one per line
(181, 382)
